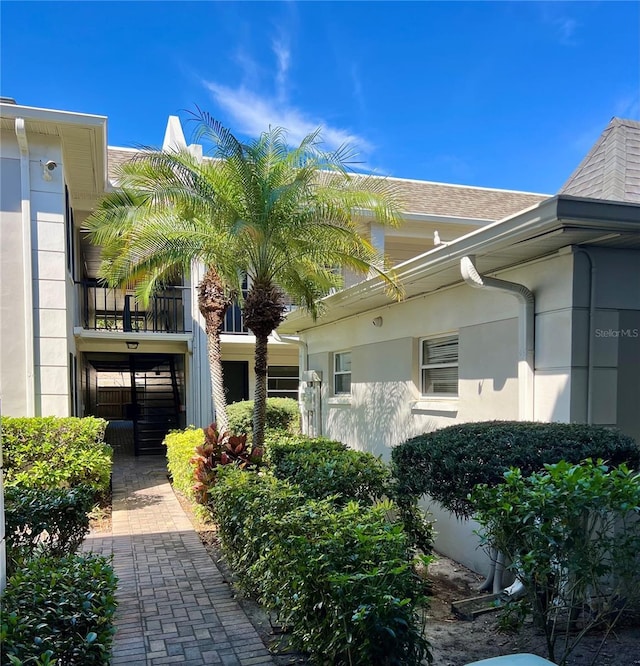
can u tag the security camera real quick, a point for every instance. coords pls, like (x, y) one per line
(50, 165)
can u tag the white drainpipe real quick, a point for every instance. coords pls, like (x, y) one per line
(526, 348)
(27, 281)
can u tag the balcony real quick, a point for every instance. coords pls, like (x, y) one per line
(105, 309)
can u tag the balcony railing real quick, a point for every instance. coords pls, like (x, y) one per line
(105, 309)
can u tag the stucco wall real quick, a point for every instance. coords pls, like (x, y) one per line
(12, 325)
(614, 336)
(50, 325)
(386, 408)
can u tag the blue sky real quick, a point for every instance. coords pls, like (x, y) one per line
(496, 94)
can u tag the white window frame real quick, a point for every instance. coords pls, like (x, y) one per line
(341, 373)
(435, 366)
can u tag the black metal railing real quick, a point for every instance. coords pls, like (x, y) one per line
(105, 309)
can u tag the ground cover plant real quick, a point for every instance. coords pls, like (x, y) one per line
(572, 534)
(53, 452)
(59, 611)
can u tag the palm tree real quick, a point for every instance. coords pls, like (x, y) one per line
(162, 218)
(291, 216)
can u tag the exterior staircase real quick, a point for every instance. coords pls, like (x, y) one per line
(156, 401)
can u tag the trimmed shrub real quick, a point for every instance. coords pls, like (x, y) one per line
(279, 446)
(45, 522)
(181, 446)
(239, 504)
(448, 463)
(322, 468)
(339, 578)
(283, 415)
(60, 610)
(572, 533)
(51, 452)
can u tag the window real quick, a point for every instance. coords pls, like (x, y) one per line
(282, 381)
(439, 366)
(342, 373)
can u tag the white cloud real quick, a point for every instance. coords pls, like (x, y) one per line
(283, 56)
(252, 114)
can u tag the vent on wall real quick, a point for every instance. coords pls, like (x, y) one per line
(7, 100)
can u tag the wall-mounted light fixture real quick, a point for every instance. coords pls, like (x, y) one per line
(47, 168)
(132, 345)
(377, 322)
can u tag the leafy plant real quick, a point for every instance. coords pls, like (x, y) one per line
(59, 611)
(52, 452)
(340, 578)
(282, 416)
(572, 533)
(321, 471)
(181, 445)
(448, 463)
(42, 522)
(221, 449)
(342, 581)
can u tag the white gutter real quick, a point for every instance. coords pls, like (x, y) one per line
(526, 346)
(27, 281)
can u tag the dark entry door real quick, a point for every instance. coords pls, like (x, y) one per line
(236, 380)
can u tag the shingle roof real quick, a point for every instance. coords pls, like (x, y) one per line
(424, 197)
(463, 201)
(611, 169)
(116, 157)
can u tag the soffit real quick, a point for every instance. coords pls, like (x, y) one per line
(83, 141)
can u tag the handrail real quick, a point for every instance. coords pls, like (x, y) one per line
(108, 309)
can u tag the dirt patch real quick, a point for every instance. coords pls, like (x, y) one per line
(457, 642)
(454, 642)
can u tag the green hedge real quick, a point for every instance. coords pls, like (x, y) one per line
(339, 578)
(322, 468)
(51, 452)
(45, 522)
(181, 447)
(62, 608)
(448, 463)
(283, 415)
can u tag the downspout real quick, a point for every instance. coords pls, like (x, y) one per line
(27, 281)
(526, 369)
(526, 342)
(592, 314)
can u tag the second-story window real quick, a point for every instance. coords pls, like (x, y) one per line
(342, 373)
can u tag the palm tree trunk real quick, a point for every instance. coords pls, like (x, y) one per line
(260, 393)
(213, 302)
(263, 311)
(217, 381)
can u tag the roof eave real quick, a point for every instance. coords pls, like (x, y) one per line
(557, 211)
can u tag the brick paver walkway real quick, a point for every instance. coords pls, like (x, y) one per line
(173, 604)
